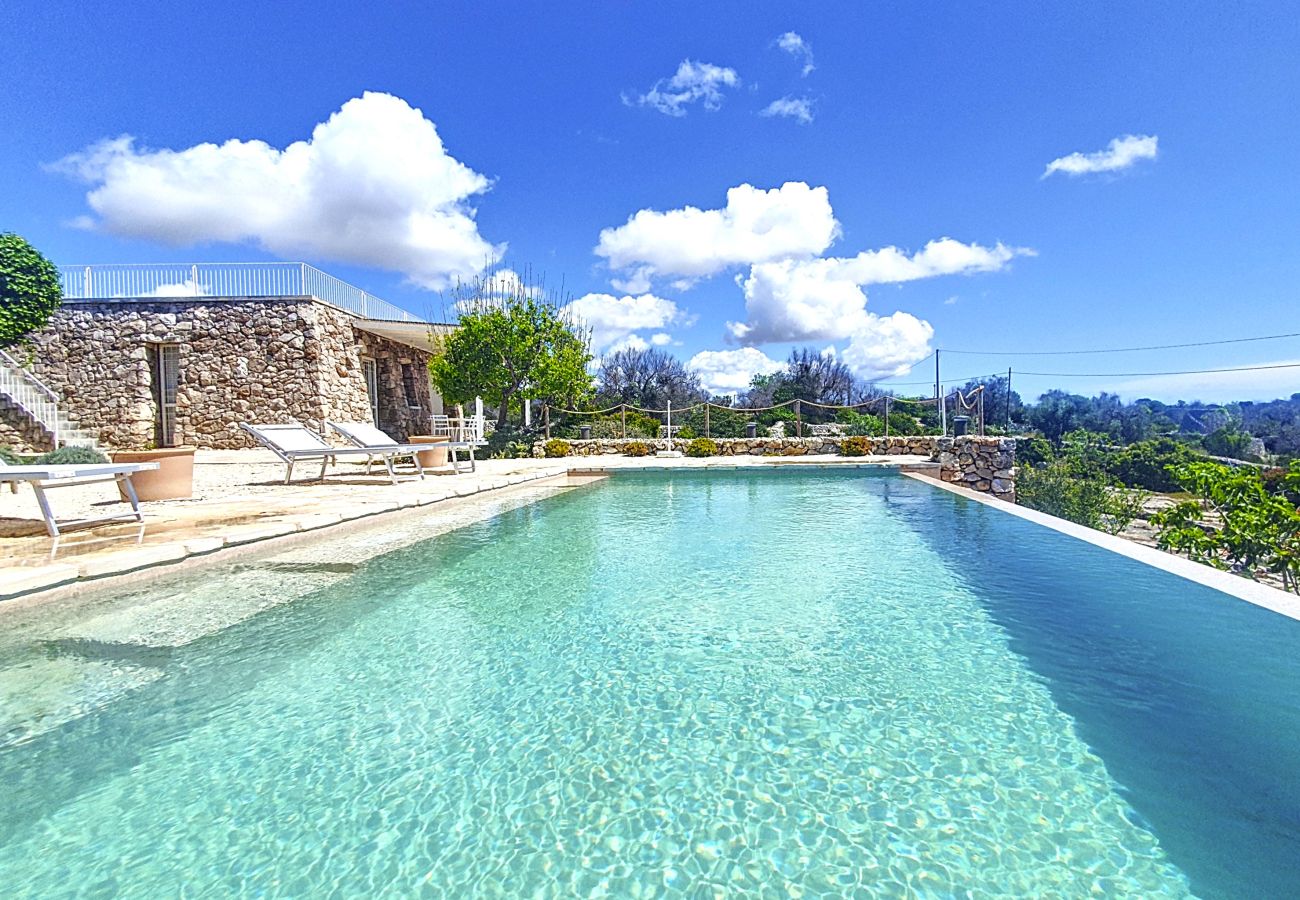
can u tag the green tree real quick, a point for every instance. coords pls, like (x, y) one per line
(511, 348)
(30, 290)
(1228, 441)
(1235, 523)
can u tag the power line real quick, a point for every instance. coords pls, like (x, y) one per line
(1267, 337)
(930, 383)
(1145, 374)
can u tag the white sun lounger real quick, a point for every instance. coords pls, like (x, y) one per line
(42, 478)
(368, 437)
(293, 442)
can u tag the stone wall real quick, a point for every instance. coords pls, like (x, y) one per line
(985, 464)
(240, 360)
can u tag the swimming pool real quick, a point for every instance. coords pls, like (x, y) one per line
(688, 684)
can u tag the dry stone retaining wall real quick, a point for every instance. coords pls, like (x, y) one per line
(985, 464)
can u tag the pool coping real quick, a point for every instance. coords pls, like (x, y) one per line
(1263, 595)
(60, 580)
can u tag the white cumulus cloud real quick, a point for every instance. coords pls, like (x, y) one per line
(1119, 154)
(730, 371)
(614, 320)
(372, 186)
(798, 108)
(692, 82)
(795, 45)
(756, 225)
(823, 299)
(887, 346)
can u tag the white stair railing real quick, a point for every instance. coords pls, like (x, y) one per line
(31, 395)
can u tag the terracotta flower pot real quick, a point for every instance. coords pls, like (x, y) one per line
(435, 457)
(173, 479)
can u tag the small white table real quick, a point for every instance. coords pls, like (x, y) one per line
(42, 478)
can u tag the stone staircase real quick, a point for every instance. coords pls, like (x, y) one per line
(30, 410)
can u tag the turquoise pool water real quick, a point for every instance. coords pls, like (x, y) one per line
(772, 684)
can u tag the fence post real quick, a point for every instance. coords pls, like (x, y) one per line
(194, 277)
(706, 421)
(668, 425)
(798, 420)
(622, 409)
(886, 416)
(546, 416)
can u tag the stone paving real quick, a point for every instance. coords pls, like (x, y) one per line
(239, 499)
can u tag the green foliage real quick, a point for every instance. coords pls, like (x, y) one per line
(9, 457)
(1074, 485)
(1229, 441)
(509, 349)
(856, 423)
(1235, 523)
(685, 432)
(30, 290)
(723, 422)
(606, 427)
(508, 442)
(636, 448)
(555, 448)
(1034, 450)
(1147, 464)
(71, 456)
(702, 447)
(856, 445)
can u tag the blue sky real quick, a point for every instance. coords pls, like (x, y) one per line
(555, 123)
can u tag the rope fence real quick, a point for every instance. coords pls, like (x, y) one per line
(966, 403)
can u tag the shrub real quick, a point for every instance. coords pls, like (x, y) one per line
(636, 448)
(702, 447)
(686, 433)
(555, 448)
(856, 445)
(1064, 489)
(10, 457)
(30, 290)
(856, 423)
(1033, 450)
(73, 456)
(509, 442)
(1146, 464)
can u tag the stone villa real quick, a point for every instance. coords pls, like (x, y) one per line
(168, 355)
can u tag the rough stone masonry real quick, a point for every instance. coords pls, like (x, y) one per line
(262, 360)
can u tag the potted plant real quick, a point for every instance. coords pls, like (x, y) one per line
(172, 480)
(435, 457)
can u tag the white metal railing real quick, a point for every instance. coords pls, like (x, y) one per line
(254, 280)
(30, 394)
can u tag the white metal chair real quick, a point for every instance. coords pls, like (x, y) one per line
(440, 425)
(45, 477)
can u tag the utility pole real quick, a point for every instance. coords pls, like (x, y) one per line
(1008, 399)
(938, 401)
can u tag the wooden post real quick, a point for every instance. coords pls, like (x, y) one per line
(706, 421)
(622, 409)
(886, 416)
(798, 420)
(546, 415)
